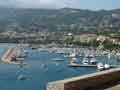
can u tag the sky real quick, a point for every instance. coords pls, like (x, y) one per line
(52, 4)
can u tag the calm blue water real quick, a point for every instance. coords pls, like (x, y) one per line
(39, 75)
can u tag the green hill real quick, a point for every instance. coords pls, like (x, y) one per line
(65, 19)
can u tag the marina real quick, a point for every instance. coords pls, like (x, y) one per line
(41, 67)
(59, 45)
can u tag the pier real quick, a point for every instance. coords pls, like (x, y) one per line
(81, 65)
(88, 65)
(97, 81)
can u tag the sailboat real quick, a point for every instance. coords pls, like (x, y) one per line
(72, 55)
(109, 55)
(105, 66)
(118, 56)
(22, 77)
(23, 53)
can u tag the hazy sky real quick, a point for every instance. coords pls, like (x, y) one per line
(82, 4)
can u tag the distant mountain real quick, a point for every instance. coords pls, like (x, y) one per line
(65, 19)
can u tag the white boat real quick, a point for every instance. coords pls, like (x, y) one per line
(93, 61)
(60, 52)
(22, 77)
(107, 66)
(25, 51)
(105, 53)
(21, 53)
(109, 55)
(85, 61)
(118, 56)
(80, 55)
(100, 66)
(74, 60)
(91, 56)
(58, 59)
(56, 64)
(72, 55)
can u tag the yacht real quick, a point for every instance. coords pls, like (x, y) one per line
(109, 55)
(107, 66)
(74, 60)
(23, 77)
(90, 56)
(100, 66)
(72, 55)
(93, 61)
(21, 53)
(85, 61)
(118, 56)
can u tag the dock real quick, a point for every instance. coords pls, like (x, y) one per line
(81, 65)
(88, 65)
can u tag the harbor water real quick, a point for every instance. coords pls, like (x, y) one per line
(40, 69)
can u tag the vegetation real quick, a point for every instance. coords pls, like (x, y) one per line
(60, 20)
(47, 26)
(92, 43)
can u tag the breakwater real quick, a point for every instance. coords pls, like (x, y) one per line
(10, 55)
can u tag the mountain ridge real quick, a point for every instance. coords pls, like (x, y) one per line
(64, 19)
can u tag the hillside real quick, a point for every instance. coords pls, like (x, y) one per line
(65, 19)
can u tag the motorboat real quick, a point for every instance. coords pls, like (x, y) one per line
(58, 59)
(74, 60)
(118, 56)
(93, 61)
(100, 66)
(85, 61)
(107, 66)
(22, 77)
(72, 55)
(90, 56)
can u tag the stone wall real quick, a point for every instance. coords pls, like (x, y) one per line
(93, 81)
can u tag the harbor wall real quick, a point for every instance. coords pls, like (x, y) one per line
(94, 81)
(9, 55)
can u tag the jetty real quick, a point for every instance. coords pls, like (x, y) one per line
(88, 65)
(81, 65)
(10, 56)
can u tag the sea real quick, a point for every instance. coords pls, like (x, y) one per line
(40, 69)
